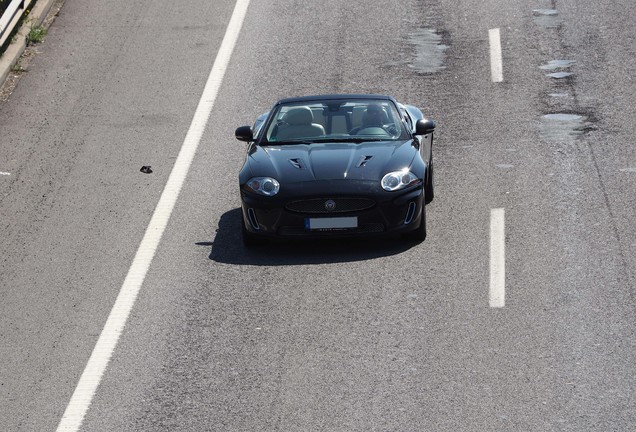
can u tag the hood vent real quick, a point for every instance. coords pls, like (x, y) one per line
(297, 163)
(363, 161)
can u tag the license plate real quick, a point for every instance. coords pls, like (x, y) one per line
(331, 223)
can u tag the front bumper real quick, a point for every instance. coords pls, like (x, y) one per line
(390, 214)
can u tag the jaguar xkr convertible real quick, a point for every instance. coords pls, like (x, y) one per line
(337, 166)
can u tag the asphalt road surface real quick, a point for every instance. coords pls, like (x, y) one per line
(334, 336)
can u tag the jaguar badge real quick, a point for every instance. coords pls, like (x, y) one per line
(330, 205)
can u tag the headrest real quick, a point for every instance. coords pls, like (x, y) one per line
(367, 117)
(299, 116)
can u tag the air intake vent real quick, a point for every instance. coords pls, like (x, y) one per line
(297, 163)
(363, 161)
(252, 218)
(410, 213)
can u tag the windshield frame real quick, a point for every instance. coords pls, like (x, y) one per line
(334, 120)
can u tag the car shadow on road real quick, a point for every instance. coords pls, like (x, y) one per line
(228, 248)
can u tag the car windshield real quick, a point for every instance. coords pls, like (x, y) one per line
(355, 120)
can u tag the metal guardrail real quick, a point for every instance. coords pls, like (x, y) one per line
(4, 4)
(11, 17)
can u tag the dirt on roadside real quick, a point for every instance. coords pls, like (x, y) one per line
(22, 65)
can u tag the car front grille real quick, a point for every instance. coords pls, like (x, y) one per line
(327, 206)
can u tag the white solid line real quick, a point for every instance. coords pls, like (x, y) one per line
(496, 62)
(90, 379)
(497, 258)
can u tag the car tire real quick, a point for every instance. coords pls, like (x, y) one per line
(428, 189)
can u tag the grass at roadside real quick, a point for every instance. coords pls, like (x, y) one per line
(36, 35)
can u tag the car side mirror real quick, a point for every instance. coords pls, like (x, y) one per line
(244, 133)
(424, 127)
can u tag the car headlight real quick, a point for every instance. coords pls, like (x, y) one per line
(397, 180)
(263, 185)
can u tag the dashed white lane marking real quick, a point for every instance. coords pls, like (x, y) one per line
(496, 62)
(497, 258)
(90, 379)
(2, 173)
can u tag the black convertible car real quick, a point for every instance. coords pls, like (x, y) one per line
(337, 165)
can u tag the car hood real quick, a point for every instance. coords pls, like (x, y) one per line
(331, 161)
